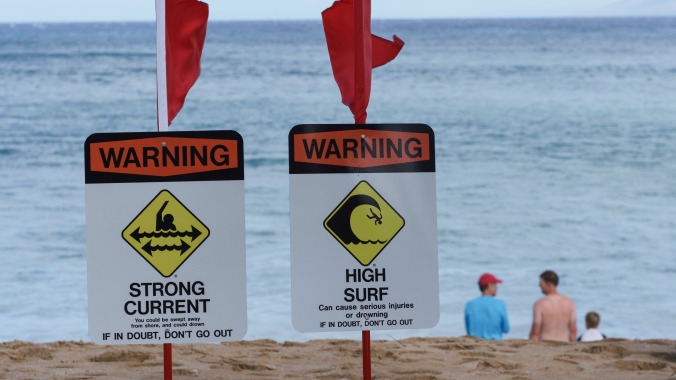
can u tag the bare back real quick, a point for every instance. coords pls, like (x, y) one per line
(554, 318)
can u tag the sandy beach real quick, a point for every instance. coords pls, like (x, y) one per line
(413, 358)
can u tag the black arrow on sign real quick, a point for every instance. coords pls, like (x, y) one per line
(137, 234)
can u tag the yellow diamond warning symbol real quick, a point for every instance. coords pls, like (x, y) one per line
(364, 223)
(165, 233)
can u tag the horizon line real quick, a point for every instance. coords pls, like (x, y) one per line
(601, 16)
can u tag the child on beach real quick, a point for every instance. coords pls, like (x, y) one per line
(592, 320)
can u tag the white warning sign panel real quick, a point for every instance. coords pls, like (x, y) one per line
(363, 227)
(166, 258)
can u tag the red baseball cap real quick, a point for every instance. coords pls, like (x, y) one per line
(487, 279)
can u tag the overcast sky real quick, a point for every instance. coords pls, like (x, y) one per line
(143, 10)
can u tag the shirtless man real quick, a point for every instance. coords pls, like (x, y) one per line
(554, 314)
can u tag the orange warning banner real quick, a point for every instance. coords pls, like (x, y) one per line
(163, 156)
(361, 148)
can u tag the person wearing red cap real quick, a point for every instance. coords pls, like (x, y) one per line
(485, 316)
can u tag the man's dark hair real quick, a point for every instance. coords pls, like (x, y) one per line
(550, 277)
(483, 287)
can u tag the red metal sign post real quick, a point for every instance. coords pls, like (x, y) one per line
(167, 361)
(198, 14)
(352, 59)
(360, 92)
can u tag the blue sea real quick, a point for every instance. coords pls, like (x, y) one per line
(556, 149)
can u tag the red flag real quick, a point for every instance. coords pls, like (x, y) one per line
(186, 29)
(354, 51)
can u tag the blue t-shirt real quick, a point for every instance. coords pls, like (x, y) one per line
(486, 318)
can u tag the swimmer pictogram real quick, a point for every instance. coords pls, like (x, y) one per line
(165, 233)
(364, 223)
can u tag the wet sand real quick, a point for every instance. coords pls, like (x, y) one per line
(413, 358)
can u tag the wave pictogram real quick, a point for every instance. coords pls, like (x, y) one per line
(138, 235)
(149, 248)
(371, 242)
(339, 221)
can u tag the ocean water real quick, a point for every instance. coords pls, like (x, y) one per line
(556, 149)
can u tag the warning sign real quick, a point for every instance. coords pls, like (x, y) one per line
(363, 227)
(364, 223)
(165, 233)
(166, 250)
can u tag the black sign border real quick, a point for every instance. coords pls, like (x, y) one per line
(314, 168)
(229, 174)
